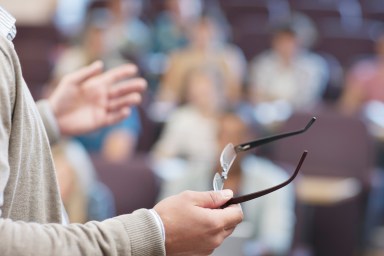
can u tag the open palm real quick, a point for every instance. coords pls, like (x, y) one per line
(90, 98)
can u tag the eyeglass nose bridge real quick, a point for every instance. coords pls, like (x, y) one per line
(224, 175)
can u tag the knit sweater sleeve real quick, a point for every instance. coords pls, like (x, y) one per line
(134, 234)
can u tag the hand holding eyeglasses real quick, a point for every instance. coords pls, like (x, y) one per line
(193, 222)
(230, 152)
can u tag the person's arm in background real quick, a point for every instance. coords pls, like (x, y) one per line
(354, 93)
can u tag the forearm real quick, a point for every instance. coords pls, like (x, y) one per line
(133, 234)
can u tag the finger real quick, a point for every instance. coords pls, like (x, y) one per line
(213, 199)
(228, 231)
(132, 85)
(122, 102)
(230, 216)
(85, 73)
(117, 74)
(116, 116)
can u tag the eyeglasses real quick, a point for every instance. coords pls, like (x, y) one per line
(228, 156)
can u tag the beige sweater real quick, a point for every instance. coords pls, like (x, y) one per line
(30, 204)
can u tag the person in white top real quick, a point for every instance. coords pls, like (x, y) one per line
(288, 72)
(188, 141)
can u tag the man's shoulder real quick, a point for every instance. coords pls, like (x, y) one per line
(8, 59)
(5, 44)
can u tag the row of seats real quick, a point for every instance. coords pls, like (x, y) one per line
(365, 8)
(251, 33)
(339, 24)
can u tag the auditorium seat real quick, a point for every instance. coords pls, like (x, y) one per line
(131, 182)
(340, 158)
(36, 47)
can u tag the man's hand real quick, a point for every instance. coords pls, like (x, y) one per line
(90, 98)
(193, 222)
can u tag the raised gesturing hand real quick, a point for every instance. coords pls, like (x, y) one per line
(90, 98)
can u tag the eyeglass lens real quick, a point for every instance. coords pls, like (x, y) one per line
(228, 155)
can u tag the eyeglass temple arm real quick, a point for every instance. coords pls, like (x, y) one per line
(241, 199)
(249, 145)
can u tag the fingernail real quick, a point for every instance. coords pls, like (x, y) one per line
(240, 207)
(227, 193)
(97, 63)
(132, 67)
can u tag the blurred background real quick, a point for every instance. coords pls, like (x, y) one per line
(219, 72)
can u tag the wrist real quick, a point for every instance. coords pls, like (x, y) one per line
(53, 106)
(159, 222)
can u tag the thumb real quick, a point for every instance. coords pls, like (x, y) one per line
(214, 199)
(86, 72)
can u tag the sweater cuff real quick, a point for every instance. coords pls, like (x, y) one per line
(159, 222)
(49, 120)
(144, 233)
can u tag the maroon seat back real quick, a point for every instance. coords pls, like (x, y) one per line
(132, 182)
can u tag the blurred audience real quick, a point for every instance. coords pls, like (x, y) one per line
(170, 29)
(364, 96)
(288, 72)
(188, 141)
(91, 46)
(207, 46)
(127, 33)
(364, 81)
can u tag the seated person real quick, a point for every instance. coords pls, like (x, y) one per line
(288, 72)
(207, 46)
(364, 81)
(188, 140)
(128, 33)
(170, 28)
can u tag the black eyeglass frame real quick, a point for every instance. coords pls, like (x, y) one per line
(250, 145)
